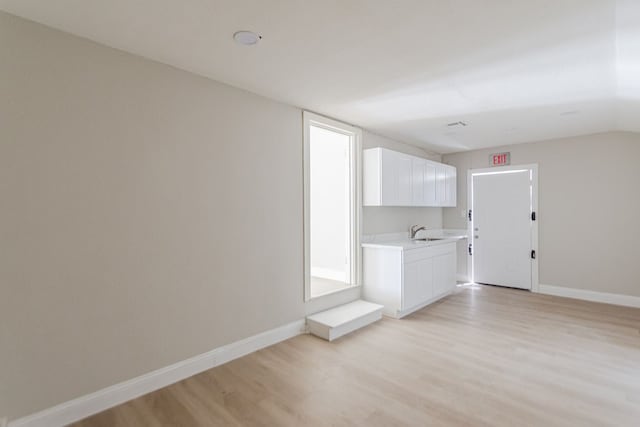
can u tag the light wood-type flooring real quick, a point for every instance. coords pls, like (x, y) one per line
(484, 356)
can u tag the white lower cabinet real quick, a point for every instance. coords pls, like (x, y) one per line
(417, 282)
(444, 272)
(405, 280)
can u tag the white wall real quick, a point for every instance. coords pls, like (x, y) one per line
(392, 219)
(147, 215)
(588, 208)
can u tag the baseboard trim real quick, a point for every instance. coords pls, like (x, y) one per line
(90, 404)
(616, 299)
(399, 314)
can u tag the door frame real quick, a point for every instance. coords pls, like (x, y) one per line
(355, 156)
(533, 167)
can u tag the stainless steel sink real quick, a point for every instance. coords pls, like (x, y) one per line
(427, 239)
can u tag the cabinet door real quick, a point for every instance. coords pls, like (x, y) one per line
(451, 189)
(371, 177)
(418, 168)
(444, 273)
(430, 193)
(417, 284)
(441, 184)
(396, 179)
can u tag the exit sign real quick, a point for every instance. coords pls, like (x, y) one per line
(500, 159)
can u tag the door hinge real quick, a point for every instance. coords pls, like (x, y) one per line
(469, 214)
(533, 216)
(470, 249)
(533, 254)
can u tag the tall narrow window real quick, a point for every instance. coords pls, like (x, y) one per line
(332, 206)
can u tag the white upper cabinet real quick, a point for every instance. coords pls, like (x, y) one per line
(397, 179)
(451, 193)
(396, 185)
(418, 172)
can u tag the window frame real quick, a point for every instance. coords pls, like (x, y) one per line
(355, 153)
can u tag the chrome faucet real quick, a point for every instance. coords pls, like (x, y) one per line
(413, 230)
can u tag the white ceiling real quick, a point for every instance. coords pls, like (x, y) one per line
(514, 71)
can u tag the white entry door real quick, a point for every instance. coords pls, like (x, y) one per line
(501, 224)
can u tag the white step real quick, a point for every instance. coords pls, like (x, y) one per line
(339, 321)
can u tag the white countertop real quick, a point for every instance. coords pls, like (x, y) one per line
(401, 241)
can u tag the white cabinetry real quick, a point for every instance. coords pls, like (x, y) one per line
(396, 185)
(397, 179)
(405, 280)
(418, 282)
(418, 181)
(444, 272)
(450, 192)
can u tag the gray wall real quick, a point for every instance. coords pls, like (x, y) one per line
(588, 208)
(392, 219)
(148, 215)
